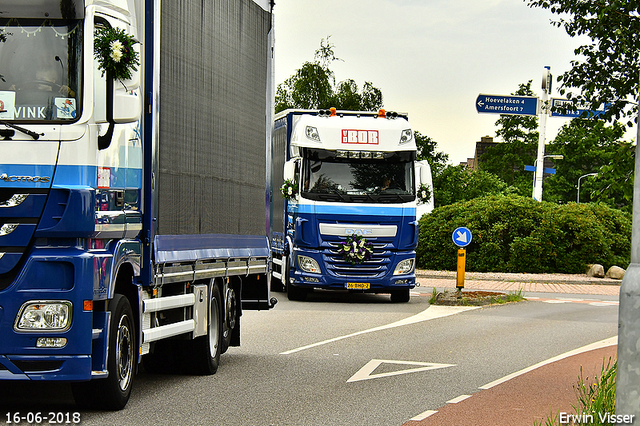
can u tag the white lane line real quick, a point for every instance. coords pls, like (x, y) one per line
(423, 416)
(458, 399)
(597, 345)
(432, 312)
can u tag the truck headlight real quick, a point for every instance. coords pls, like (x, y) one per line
(48, 315)
(404, 267)
(308, 264)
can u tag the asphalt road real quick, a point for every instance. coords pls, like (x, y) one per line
(349, 360)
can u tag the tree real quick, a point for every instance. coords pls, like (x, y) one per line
(457, 183)
(592, 146)
(427, 151)
(606, 72)
(313, 86)
(507, 160)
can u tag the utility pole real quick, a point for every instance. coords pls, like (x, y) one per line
(628, 373)
(542, 128)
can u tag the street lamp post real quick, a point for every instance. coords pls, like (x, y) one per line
(535, 165)
(588, 174)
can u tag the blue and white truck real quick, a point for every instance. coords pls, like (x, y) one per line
(348, 218)
(133, 219)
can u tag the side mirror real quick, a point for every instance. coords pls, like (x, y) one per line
(127, 106)
(424, 175)
(290, 170)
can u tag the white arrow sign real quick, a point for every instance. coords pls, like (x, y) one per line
(365, 373)
(462, 237)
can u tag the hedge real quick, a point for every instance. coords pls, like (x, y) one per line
(517, 234)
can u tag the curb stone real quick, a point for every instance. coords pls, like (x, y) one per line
(521, 278)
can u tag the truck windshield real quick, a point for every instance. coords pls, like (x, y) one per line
(358, 180)
(40, 70)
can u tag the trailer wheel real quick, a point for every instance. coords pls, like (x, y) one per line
(400, 296)
(113, 392)
(208, 348)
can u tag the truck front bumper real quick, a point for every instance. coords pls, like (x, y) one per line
(68, 368)
(383, 281)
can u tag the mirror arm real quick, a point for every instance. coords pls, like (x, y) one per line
(104, 141)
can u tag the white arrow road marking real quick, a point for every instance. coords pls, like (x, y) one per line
(432, 312)
(365, 372)
(462, 237)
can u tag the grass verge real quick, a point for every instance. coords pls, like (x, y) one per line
(596, 399)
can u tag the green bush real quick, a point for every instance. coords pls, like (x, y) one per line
(518, 234)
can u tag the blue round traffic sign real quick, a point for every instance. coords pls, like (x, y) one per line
(461, 236)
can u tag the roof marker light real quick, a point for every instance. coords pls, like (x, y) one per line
(381, 113)
(333, 111)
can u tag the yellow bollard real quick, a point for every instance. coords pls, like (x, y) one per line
(462, 258)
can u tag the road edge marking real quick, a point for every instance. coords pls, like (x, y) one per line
(432, 312)
(597, 345)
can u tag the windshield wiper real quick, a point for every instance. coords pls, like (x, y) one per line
(31, 133)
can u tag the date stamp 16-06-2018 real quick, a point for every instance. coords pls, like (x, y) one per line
(38, 418)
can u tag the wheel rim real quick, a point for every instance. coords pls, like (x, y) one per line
(214, 328)
(124, 353)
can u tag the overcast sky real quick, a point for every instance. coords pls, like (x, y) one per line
(430, 58)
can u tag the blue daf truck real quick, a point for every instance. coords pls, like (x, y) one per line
(133, 152)
(348, 217)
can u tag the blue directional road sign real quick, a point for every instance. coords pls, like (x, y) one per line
(461, 236)
(558, 105)
(510, 105)
(547, 170)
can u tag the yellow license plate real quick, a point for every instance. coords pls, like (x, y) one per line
(358, 286)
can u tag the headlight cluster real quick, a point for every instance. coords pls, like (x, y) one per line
(404, 267)
(44, 316)
(308, 264)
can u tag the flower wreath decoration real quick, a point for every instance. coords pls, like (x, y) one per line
(356, 249)
(114, 51)
(424, 193)
(289, 189)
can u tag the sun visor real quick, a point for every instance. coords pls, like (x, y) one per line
(52, 9)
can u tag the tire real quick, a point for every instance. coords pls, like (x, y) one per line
(296, 293)
(113, 392)
(207, 349)
(400, 296)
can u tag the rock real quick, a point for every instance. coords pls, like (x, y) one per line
(615, 272)
(596, 271)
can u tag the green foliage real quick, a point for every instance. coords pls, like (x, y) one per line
(518, 234)
(591, 146)
(606, 71)
(427, 151)
(457, 183)
(596, 397)
(313, 86)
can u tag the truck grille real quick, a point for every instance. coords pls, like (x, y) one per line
(375, 267)
(20, 212)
